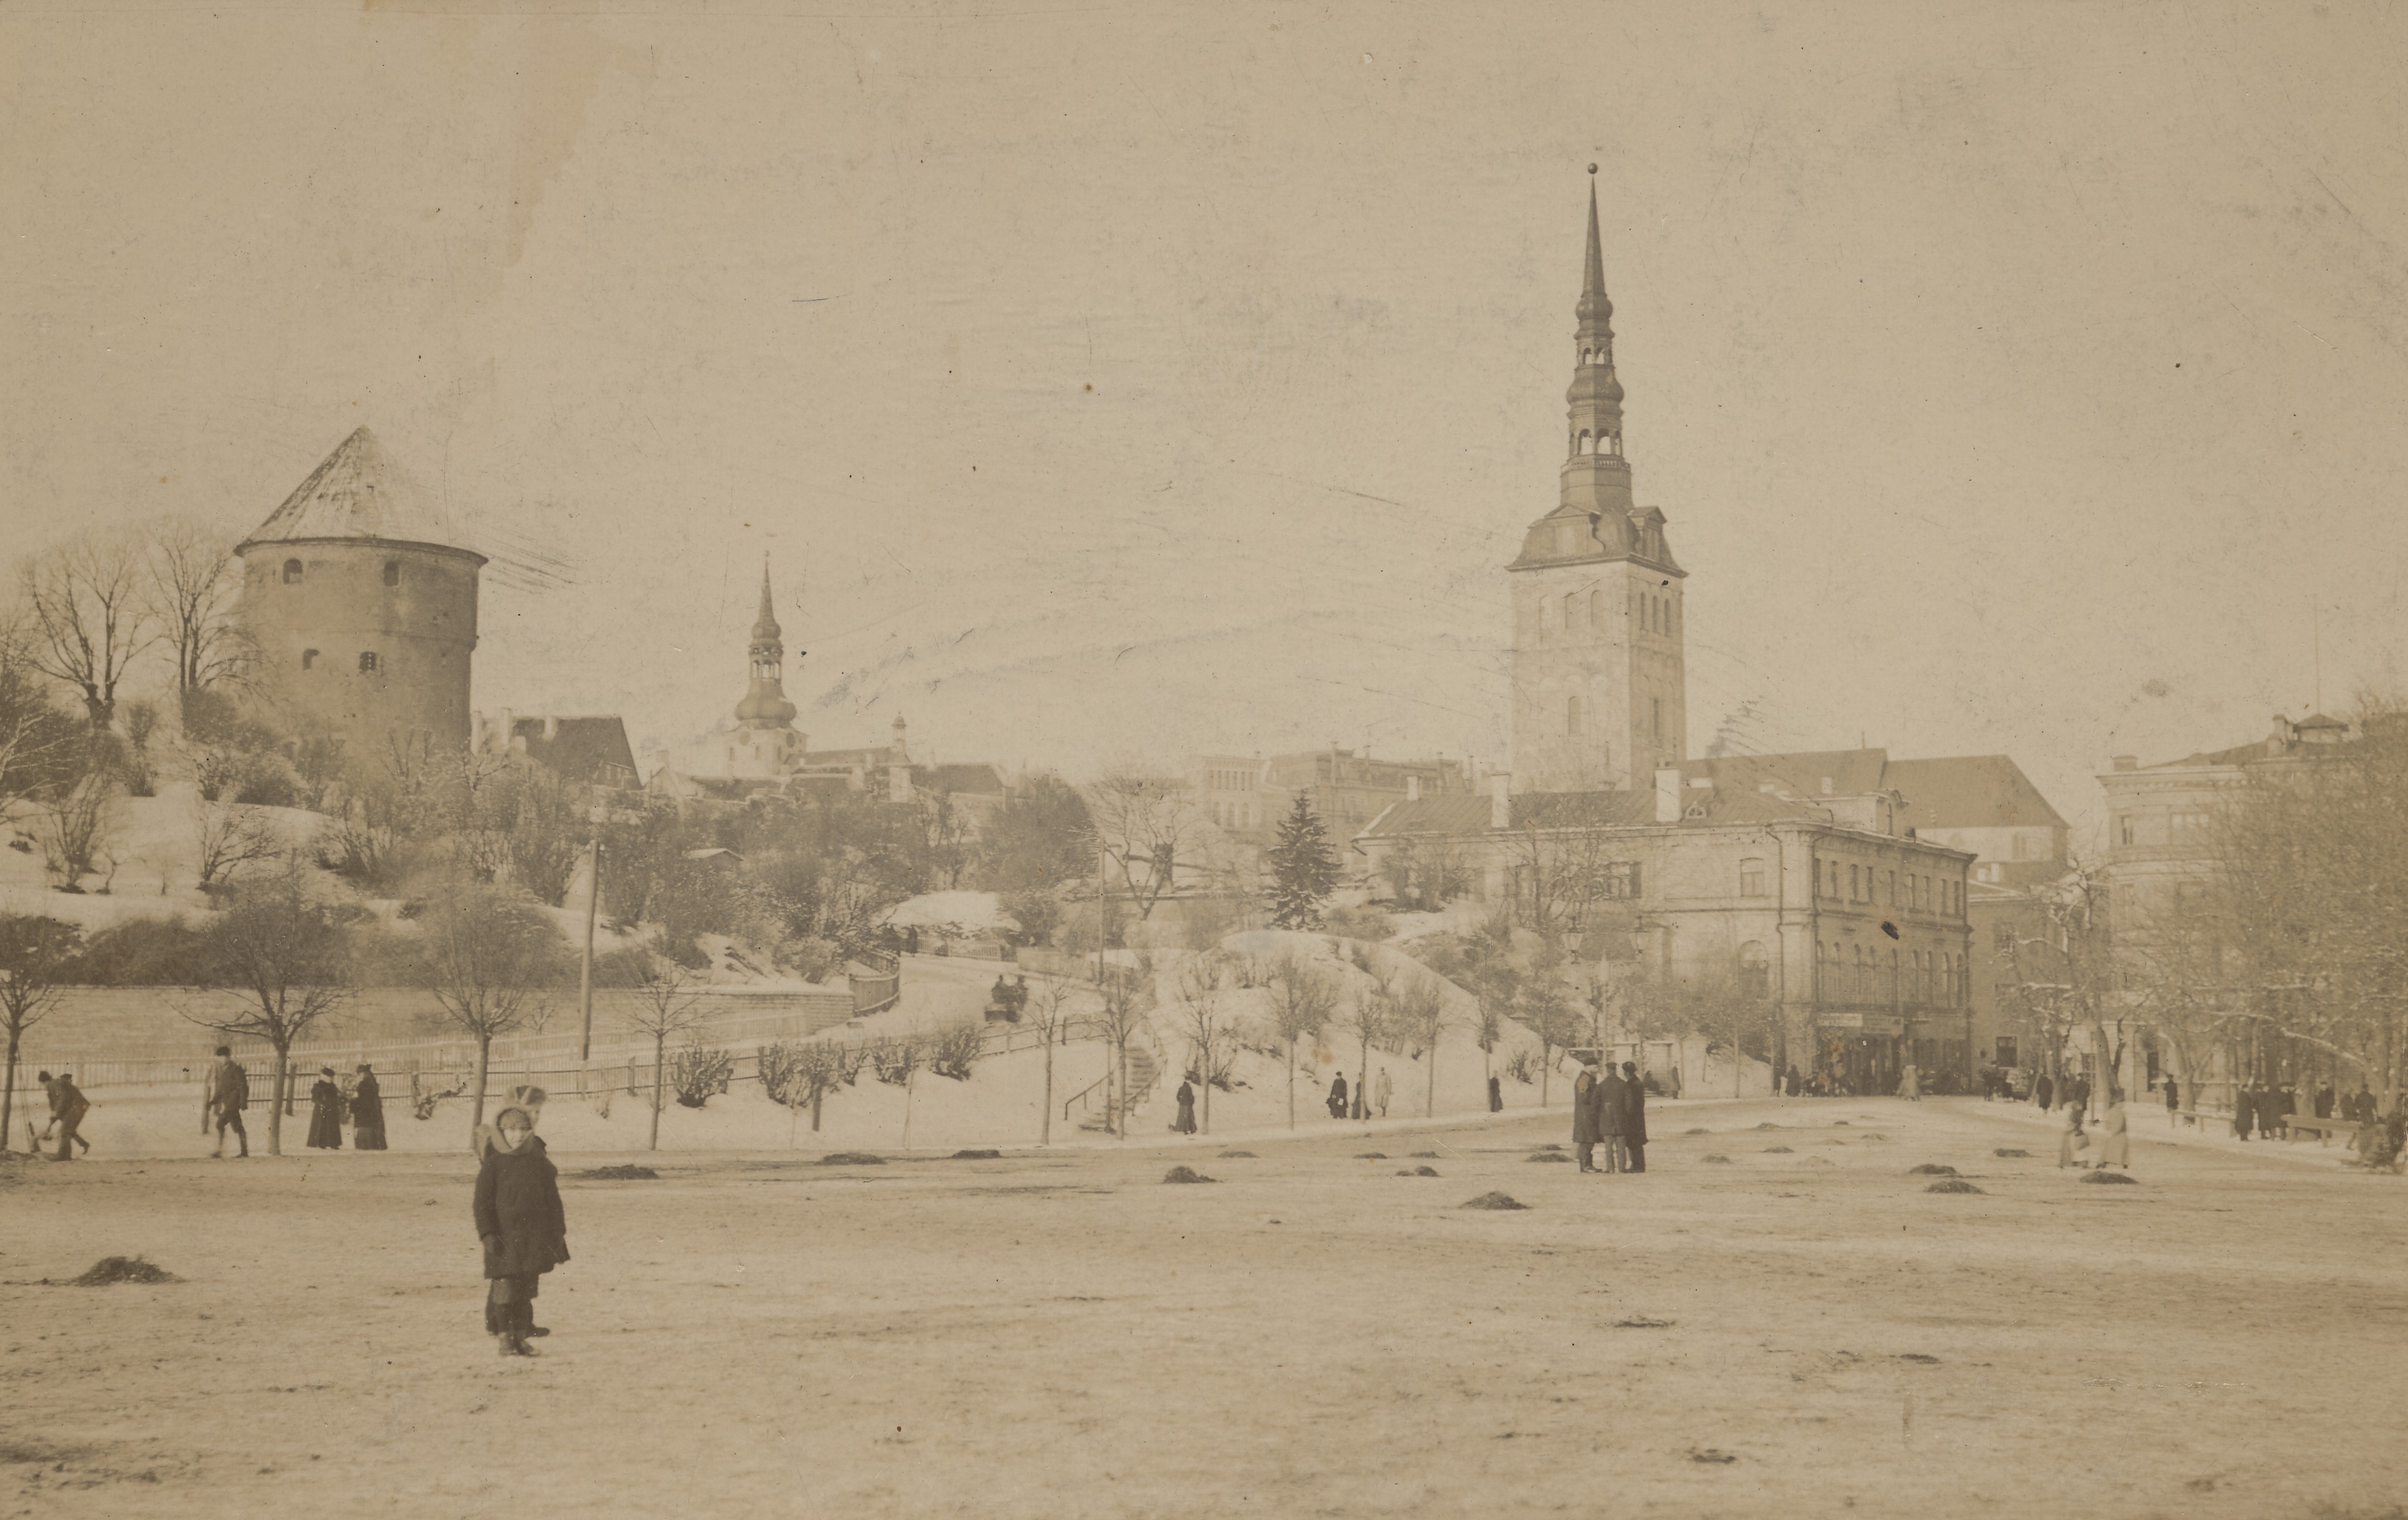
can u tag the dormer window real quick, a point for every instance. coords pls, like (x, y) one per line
(292, 571)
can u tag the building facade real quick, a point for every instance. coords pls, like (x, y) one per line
(1828, 912)
(360, 602)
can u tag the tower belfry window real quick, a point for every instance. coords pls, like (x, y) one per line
(393, 572)
(292, 571)
(367, 661)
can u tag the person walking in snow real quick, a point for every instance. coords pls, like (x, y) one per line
(2115, 1133)
(1386, 1090)
(1185, 1122)
(226, 1092)
(1338, 1096)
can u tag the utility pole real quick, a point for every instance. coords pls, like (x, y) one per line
(585, 965)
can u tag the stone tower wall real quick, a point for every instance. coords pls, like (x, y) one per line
(421, 629)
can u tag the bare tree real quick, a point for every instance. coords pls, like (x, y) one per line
(2064, 976)
(1369, 1015)
(190, 581)
(41, 747)
(1204, 1020)
(1121, 1011)
(1422, 1013)
(1151, 827)
(1050, 1013)
(88, 617)
(1545, 1005)
(490, 958)
(36, 955)
(1566, 860)
(1303, 999)
(230, 836)
(668, 1001)
(75, 827)
(282, 956)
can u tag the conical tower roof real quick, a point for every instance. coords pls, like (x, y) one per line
(359, 492)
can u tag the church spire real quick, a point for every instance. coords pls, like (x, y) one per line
(765, 627)
(1596, 394)
(765, 704)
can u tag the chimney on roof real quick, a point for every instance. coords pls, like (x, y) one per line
(1668, 794)
(551, 726)
(1500, 801)
(1412, 789)
(2127, 762)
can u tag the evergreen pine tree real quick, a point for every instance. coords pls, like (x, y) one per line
(1304, 868)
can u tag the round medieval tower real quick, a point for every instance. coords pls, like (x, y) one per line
(362, 607)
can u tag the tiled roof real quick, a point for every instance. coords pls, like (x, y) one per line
(360, 492)
(1801, 772)
(968, 779)
(1451, 813)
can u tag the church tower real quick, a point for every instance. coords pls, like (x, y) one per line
(764, 744)
(1599, 683)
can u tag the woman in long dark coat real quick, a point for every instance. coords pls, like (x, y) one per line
(367, 1114)
(326, 1113)
(1186, 1122)
(1338, 1096)
(520, 1225)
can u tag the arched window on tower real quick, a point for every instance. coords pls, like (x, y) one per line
(292, 571)
(1571, 611)
(393, 572)
(1596, 610)
(309, 659)
(367, 661)
(1571, 717)
(1586, 444)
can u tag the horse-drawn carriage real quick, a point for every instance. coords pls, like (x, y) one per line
(1006, 1000)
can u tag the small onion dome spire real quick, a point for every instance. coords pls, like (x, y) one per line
(765, 704)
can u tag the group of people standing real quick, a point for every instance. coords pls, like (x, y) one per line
(1369, 1099)
(329, 1103)
(1610, 1109)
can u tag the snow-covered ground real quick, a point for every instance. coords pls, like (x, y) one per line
(1798, 1329)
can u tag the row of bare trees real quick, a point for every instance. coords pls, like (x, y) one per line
(90, 606)
(2284, 950)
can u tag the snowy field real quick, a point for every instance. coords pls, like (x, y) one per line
(1804, 1331)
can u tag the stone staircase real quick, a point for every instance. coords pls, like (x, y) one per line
(1143, 1071)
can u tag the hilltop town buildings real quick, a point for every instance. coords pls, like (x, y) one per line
(1836, 887)
(762, 750)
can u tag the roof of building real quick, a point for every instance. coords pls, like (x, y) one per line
(584, 750)
(967, 778)
(1983, 791)
(360, 492)
(1970, 791)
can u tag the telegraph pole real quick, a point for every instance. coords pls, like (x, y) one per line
(585, 966)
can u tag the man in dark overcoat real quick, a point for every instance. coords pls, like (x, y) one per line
(1584, 1125)
(519, 1225)
(1608, 1120)
(1634, 1118)
(2043, 1090)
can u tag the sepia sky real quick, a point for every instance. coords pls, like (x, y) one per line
(1124, 382)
